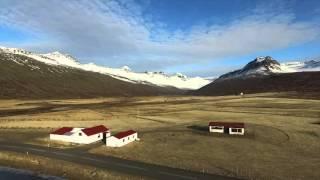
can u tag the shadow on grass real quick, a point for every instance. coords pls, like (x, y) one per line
(46, 107)
(199, 128)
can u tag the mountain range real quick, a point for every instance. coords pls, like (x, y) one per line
(24, 74)
(177, 80)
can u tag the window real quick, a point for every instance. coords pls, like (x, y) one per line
(128, 138)
(123, 140)
(80, 134)
(236, 130)
(216, 127)
(99, 136)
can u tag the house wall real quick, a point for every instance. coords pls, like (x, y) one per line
(212, 129)
(115, 142)
(108, 134)
(59, 137)
(237, 133)
(84, 139)
(75, 137)
(111, 141)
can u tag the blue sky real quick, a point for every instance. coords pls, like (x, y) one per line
(195, 37)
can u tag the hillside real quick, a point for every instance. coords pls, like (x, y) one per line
(301, 82)
(24, 77)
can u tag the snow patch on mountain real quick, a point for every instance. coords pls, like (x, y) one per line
(125, 73)
(157, 78)
(312, 65)
(63, 59)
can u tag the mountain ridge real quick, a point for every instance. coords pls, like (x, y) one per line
(22, 77)
(177, 80)
(262, 66)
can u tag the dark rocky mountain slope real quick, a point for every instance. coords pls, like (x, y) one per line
(258, 67)
(300, 82)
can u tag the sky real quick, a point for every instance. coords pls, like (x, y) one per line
(194, 37)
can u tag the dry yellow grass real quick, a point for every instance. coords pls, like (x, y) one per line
(282, 141)
(65, 169)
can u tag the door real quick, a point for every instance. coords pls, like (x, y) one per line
(104, 137)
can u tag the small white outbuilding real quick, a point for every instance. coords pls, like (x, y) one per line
(122, 138)
(227, 127)
(80, 135)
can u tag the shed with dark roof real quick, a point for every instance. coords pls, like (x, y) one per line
(122, 138)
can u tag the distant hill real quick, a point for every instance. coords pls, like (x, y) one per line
(25, 77)
(301, 82)
(265, 74)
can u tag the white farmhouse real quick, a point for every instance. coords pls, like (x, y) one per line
(80, 135)
(122, 138)
(227, 127)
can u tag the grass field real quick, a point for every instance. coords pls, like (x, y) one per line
(48, 166)
(282, 138)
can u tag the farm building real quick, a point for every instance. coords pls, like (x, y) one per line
(122, 138)
(80, 135)
(227, 127)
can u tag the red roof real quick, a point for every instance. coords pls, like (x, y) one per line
(227, 124)
(123, 134)
(62, 131)
(95, 130)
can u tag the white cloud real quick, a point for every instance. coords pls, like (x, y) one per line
(248, 35)
(116, 28)
(77, 26)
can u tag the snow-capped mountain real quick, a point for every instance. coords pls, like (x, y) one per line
(264, 74)
(156, 78)
(262, 66)
(257, 67)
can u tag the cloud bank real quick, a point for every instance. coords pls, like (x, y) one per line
(116, 32)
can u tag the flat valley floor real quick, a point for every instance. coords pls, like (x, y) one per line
(282, 139)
